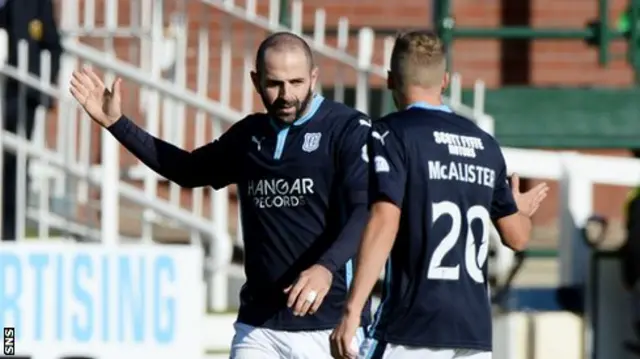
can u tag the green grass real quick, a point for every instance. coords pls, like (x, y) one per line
(542, 253)
(228, 311)
(31, 233)
(216, 351)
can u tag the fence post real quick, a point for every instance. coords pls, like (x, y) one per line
(221, 250)
(110, 221)
(366, 39)
(576, 206)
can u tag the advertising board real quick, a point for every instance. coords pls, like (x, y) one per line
(69, 300)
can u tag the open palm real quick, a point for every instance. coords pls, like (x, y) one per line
(528, 202)
(101, 104)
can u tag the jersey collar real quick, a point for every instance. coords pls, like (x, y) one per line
(316, 101)
(426, 106)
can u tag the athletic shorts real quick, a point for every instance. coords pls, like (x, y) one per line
(251, 342)
(372, 349)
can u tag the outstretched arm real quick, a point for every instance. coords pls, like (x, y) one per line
(212, 164)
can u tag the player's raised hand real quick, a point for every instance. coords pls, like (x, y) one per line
(528, 202)
(101, 104)
(308, 292)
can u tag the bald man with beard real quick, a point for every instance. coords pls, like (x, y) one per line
(302, 182)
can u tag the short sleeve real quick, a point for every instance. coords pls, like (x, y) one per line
(502, 204)
(353, 168)
(387, 165)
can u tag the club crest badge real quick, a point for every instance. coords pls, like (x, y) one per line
(311, 141)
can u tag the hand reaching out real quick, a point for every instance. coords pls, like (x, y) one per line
(101, 104)
(528, 202)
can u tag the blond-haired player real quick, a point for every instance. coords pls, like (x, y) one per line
(437, 183)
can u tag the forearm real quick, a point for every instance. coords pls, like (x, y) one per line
(374, 250)
(514, 230)
(164, 158)
(345, 246)
(526, 225)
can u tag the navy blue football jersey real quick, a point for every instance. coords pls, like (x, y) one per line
(449, 179)
(297, 185)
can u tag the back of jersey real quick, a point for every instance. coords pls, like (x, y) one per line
(449, 179)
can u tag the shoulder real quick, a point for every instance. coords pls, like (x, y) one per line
(248, 122)
(473, 129)
(254, 118)
(396, 123)
(489, 142)
(390, 132)
(341, 113)
(394, 119)
(240, 132)
(462, 125)
(346, 120)
(483, 141)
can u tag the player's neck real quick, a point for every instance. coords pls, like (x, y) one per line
(430, 100)
(420, 95)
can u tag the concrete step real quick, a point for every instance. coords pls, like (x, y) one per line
(539, 272)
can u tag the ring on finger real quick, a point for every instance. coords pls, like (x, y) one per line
(311, 297)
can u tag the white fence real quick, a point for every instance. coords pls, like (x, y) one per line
(187, 113)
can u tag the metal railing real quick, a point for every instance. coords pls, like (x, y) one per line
(179, 44)
(82, 177)
(168, 55)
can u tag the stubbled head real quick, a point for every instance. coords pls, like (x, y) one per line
(285, 75)
(418, 63)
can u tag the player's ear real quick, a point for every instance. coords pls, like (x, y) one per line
(314, 77)
(390, 83)
(445, 81)
(255, 78)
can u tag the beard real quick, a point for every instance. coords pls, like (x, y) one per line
(273, 109)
